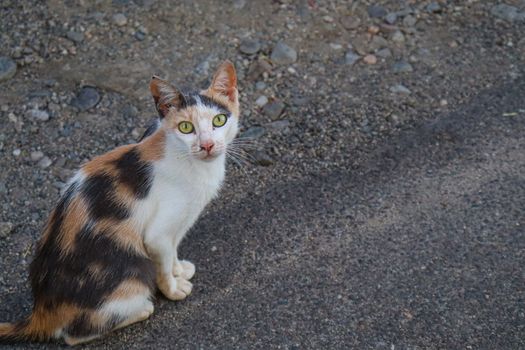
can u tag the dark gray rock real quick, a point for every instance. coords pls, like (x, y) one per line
(254, 132)
(7, 68)
(350, 22)
(274, 109)
(87, 98)
(409, 21)
(391, 18)
(120, 19)
(283, 54)
(376, 11)
(250, 46)
(384, 53)
(39, 115)
(262, 158)
(433, 7)
(351, 58)
(400, 89)
(507, 13)
(6, 228)
(74, 36)
(402, 67)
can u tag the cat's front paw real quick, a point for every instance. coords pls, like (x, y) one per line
(176, 288)
(184, 269)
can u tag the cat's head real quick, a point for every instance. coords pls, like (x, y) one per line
(202, 124)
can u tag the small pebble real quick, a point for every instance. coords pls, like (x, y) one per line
(400, 89)
(336, 46)
(17, 152)
(45, 162)
(214, 249)
(433, 7)
(261, 101)
(39, 115)
(274, 109)
(283, 54)
(351, 58)
(350, 22)
(384, 53)
(398, 37)
(370, 59)
(250, 46)
(373, 29)
(409, 21)
(120, 19)
(443, 103)
(376, 11)
(402, 67)
(254, 132)
(36, 156)
(87, 98)
(262, 158)
(260, 85)
(7, 68)
(6, 228)
(391, 18)
(74, 36)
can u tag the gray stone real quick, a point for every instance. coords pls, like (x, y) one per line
(254, 132)
(400, 89)
(384, 53)
(279, 125)
(45, 162)
(260, 85)
(139, 35)
(120, 19)
(250, 46)
(283, 54)
(130, 111)
(7, 68)
(376, 11)
(36, 156)
(377, 42)
(87, 98)
(397, 37)
(261, 101)
(507, 13)
(350, 22)
(239, 4)
(351, 58)
(433, 7)
(74, 36)
(39, 115)
(409, 21)
(391, 18)
(6, 228)
(262, 158)
(3, 188)
(402, 67)
(274, 109)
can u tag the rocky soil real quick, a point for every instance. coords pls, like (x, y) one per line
(324, 84)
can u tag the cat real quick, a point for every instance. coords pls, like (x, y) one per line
(113, 237)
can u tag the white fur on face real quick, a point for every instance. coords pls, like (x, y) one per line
(202, 119)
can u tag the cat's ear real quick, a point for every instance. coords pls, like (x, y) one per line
(165, 95)
(224, 82)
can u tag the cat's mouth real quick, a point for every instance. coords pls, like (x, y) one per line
(208, 157)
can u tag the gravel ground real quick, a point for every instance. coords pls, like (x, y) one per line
(382, 202)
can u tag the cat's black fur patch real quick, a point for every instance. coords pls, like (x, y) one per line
(152, 126)
(99, 192)
(135, 173)
(191, 99)
(59, 277)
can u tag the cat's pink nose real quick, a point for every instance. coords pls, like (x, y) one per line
(207, 146)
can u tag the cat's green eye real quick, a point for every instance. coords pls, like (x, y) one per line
(186, 127)
(219, 120)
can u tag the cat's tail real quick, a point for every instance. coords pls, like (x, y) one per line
(30, 329)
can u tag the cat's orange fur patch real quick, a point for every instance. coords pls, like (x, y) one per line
(152, 148)
(76, 217)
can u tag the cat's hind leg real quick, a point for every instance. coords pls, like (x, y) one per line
(128, 304)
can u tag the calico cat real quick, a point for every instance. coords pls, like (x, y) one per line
(113, 237)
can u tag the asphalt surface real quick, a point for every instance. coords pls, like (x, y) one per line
(419, 246)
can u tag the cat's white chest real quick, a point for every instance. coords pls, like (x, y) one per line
(178, 196)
